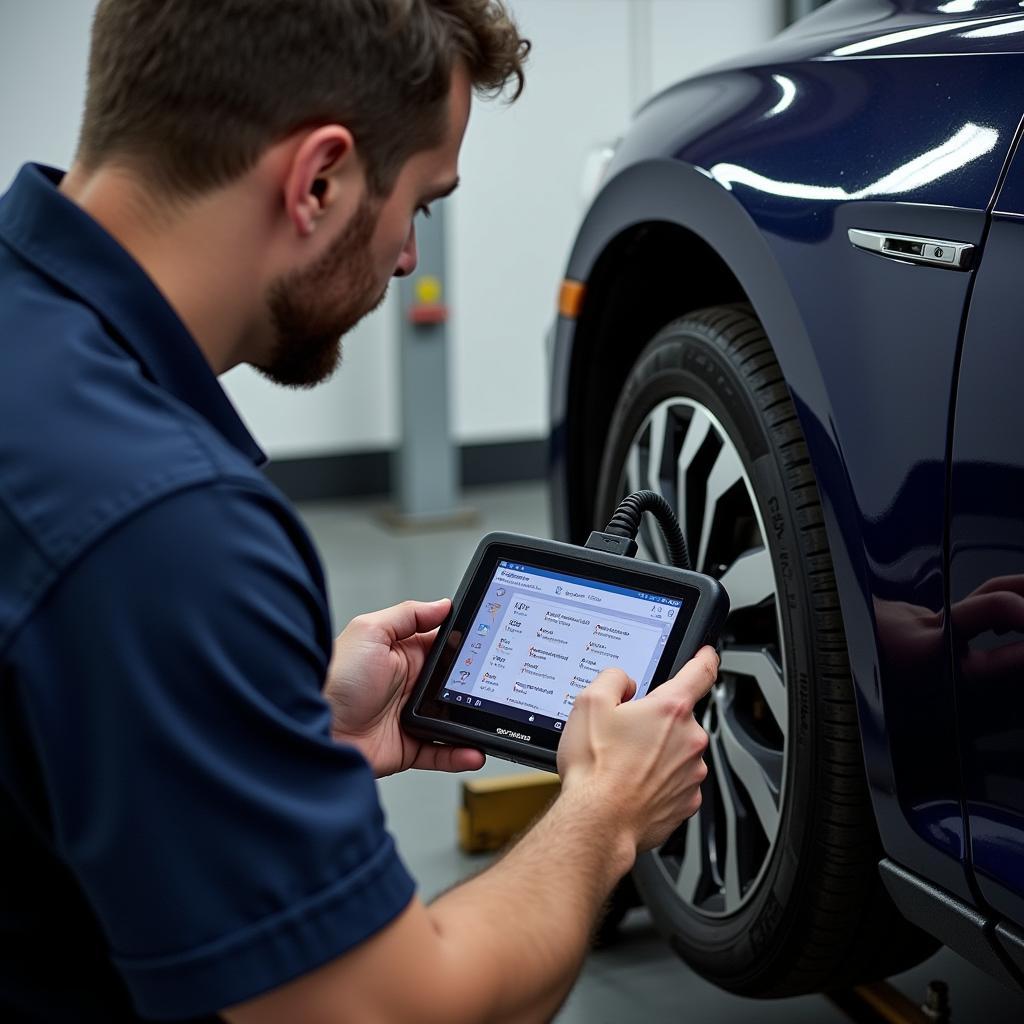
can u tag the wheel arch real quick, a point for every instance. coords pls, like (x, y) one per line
(660, 240)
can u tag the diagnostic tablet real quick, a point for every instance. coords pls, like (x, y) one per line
(534, 622)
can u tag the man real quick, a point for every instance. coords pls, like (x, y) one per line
(187, 763)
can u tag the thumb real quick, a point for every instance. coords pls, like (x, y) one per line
(693, 680)
(404, 620)
(611, 687)
(432, 757)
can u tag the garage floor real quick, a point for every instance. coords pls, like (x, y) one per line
(639, 979)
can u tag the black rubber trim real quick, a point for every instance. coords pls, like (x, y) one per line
(954, 923)
(1012, 942)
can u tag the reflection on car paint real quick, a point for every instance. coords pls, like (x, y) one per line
(969, 143)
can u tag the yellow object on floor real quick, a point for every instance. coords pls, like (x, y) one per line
(495, 811)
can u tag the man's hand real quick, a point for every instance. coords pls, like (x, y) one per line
(641, 761)
(375, 664)
(630, 774)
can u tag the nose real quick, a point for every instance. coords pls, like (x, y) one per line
(409, 257)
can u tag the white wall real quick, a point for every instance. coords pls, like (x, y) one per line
(511, 223)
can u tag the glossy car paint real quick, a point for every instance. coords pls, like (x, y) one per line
(987, 559)
(891, 116)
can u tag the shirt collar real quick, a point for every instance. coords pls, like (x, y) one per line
(63, 242)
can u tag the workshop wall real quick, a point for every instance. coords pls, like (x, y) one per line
(511, 222)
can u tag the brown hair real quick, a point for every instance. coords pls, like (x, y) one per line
(193, 91)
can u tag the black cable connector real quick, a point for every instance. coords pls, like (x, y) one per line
(619, 536)
(611, 543)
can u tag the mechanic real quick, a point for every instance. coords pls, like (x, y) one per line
(187, 798)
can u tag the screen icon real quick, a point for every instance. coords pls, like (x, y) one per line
(483, 629)
(531, 718)
(447, 695)
(477, 704)
(458, 697)
(558, 725)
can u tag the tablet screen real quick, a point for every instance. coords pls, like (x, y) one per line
(540, 636)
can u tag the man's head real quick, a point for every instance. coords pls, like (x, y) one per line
(337, 120)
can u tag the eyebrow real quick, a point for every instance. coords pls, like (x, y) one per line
(441, 192)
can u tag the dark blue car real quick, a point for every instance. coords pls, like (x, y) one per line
(795, 309)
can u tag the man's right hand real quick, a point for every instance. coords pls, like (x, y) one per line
(639, 761)
(631, 773)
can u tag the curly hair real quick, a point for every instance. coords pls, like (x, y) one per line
(194, 92)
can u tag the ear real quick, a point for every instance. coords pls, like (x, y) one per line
(324, 158)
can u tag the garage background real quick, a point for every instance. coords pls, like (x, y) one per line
(509, 229)
(509, 225)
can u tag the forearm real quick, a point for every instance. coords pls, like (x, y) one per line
(521, 929)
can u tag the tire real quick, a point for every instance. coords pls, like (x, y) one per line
(772, 889)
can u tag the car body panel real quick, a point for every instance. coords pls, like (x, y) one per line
(868, 29)
(770, 164)
(987, 552)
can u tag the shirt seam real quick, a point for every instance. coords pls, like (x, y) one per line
(16, 518)
(241, 939)
(33, 599)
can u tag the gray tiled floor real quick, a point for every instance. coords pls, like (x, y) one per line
(639, 979)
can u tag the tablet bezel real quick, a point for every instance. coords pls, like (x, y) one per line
(429, 716)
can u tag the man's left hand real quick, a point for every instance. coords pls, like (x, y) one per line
(376, 662)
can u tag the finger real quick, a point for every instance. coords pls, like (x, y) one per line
(693, 681)
(1014, 584)
(999, 611)
(404, 620)
(448, 759)
(1003, 664)
(610, 687)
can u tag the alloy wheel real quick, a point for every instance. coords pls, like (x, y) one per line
(714, 860)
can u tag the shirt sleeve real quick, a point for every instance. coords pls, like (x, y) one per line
(172, 691)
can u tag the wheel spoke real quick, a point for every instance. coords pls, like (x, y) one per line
(692, 871)
(731, 868)
(656, 542)
(727, 471)
(633, 481)
(659, 420)
(696, 434)
(642, 550)
(757, 768)
(749, 580)
(758, 663)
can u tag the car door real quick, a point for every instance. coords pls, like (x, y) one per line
(986, 569)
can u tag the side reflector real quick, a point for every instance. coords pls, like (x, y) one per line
(570, 299)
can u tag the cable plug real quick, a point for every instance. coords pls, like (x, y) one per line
(609, 542)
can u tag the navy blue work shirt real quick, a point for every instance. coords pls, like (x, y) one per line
(178, 832)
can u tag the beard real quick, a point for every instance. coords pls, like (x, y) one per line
(307, 314)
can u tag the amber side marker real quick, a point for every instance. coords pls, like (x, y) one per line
(570, 298)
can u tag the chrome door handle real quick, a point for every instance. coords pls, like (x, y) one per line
(932, 252)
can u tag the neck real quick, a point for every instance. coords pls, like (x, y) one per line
(200, 254)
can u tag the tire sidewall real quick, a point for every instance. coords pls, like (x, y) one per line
(686, 361)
